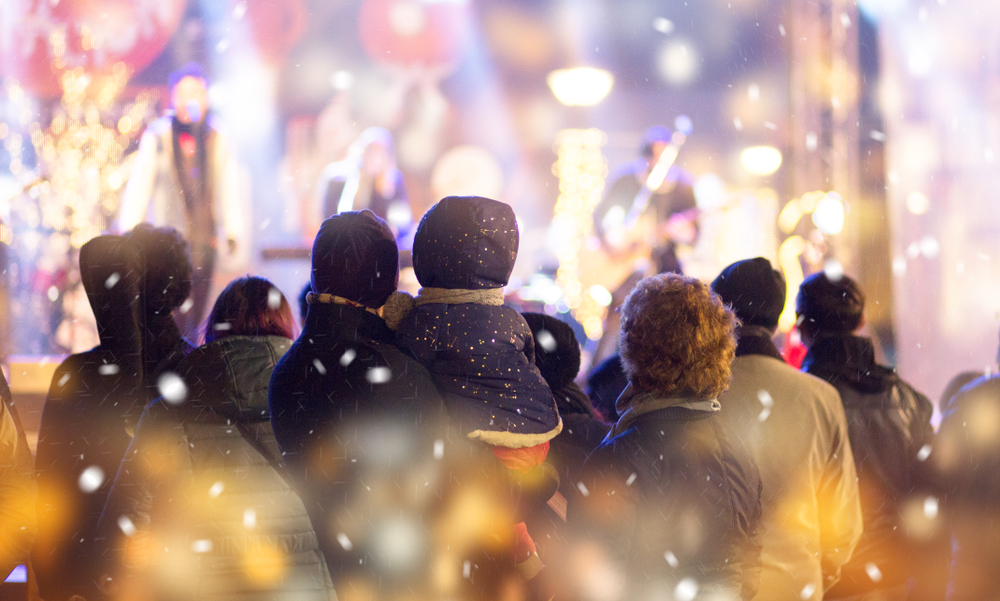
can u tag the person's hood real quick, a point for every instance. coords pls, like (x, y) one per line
(466, 242)
(111, 272)
(848, 359)
(230, 376)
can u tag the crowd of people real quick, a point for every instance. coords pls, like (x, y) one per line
(439, 447)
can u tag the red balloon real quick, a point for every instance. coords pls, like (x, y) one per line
(276, 26)
(92, 34)
(415, 32)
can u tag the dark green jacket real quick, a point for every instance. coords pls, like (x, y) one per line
(199, 493)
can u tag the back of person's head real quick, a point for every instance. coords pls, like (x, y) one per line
(677, 338)
(828, 306)
(754, 290)
(356, 258)
(111, 272)
(250, 306)
(557, 353)
(168, 267)
(466, 242)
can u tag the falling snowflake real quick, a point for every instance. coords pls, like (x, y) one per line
(438, 449)
(379, 375)
(924, 453)
(686, 590)
(930, 508)
(126, 525)
(203, 545)
(583, 489)
(547, 341)
(113, 279)
(319, 367)
(347, 357)
(807, 591)
(344, 541)
(274, 299)
(671, 559)
(216, 489)
(631, 479)
(91, 479)
(249, 519)
(109, 369)
(873, 572)
(172, 388)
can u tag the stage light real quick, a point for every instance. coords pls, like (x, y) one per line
(918, 203)
(761, 160)
(678, 62)
(829, 214)
(710, 192)
(342, 80)
(580, 86)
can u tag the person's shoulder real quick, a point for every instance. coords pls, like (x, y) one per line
(786, 378)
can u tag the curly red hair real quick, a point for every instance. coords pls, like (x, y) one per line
(677, 338)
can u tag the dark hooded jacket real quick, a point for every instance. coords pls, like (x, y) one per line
(83, 436)
(365, 435)
(481, 357)
(675, 504)
(888, 423)
(558, 359)
(202, 487)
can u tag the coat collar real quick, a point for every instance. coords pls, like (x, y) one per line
(849, 358)
(756, 340)
(345, 321)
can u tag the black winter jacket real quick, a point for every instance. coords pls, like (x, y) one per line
(202, 490)
(83, 427)
(365, 434)
(888, 423)
(674, 504)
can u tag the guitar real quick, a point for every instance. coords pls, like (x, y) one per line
(631, 236)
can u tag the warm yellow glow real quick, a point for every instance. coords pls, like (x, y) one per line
(788, 259)
(581, 169)
(580, 86)
(761, 160)
(918, 203)
(829, 214)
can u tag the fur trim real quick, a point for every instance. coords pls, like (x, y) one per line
(514, 440)
(400, 304)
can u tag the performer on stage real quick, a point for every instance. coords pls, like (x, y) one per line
(672, 203)
(185, 176)
(368, 179)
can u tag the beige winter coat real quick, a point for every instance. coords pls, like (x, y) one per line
(795, 427)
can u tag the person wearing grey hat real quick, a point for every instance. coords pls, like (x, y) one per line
(796, 430)
(888, 423)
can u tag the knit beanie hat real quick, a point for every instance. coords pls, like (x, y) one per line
(557, 353)
(754, 290)
(355, 257)
(832, 306)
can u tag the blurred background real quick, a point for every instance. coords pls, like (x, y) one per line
(830, 134)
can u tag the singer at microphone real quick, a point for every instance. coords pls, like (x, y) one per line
(185, 176)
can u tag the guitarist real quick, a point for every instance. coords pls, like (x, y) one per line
(672, 203)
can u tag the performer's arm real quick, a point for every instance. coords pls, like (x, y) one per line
(139, 189)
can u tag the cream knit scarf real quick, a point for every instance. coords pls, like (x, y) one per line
(400, 304)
